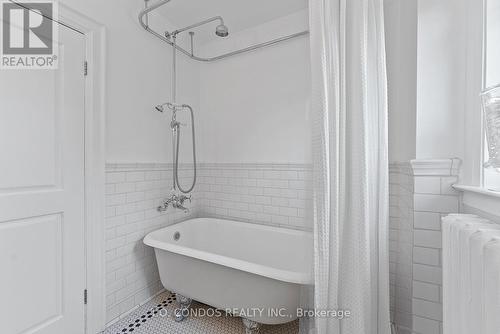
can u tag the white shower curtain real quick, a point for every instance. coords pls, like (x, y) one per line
(350, 165)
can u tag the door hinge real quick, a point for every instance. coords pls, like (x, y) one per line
(85, 296)
(85, 68)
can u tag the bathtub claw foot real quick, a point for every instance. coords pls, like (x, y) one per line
(251, 327)
(182, 311)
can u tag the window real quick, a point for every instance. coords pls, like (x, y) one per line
(491, 73)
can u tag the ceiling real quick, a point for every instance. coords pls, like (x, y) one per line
(238, 14)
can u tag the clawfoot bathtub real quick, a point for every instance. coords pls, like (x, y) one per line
(249, 270)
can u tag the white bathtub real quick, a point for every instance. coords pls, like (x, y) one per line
(234, 265)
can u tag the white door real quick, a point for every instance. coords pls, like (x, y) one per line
(42, 273)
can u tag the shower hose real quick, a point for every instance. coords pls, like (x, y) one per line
(176, 165)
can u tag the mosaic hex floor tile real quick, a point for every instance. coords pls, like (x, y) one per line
(156, 317)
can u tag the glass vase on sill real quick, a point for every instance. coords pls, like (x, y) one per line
(491, 112)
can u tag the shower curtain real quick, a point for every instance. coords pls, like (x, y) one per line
(350, 163)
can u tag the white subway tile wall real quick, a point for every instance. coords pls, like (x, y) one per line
(133, 192)
(420, 194)
(271, 194)
(434, 198)
(419, 197)
(401, 244)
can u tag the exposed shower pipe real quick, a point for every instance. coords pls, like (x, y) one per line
(143, 14)
(191, 35)
(215, 18)
(175, 129)
(174, 71)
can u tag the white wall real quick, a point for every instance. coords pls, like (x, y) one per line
(255, 106)
(492, 44)
(426, 44)
(441, 75)
(401, 50)
(263, 96)
(138, 77)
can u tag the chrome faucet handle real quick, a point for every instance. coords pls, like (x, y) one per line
(184, 197)
(165, 203)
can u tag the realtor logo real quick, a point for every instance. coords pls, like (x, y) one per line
(28, 35)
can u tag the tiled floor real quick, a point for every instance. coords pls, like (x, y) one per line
(155, 317)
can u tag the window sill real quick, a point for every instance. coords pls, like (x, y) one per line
(480, 198)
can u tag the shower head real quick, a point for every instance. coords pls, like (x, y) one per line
(222, 30)
(160, 107)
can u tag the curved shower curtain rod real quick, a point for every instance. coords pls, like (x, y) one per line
(143, 20)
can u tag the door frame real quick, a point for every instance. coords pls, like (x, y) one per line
(95, 161)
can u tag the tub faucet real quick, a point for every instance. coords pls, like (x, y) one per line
(177, 202)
